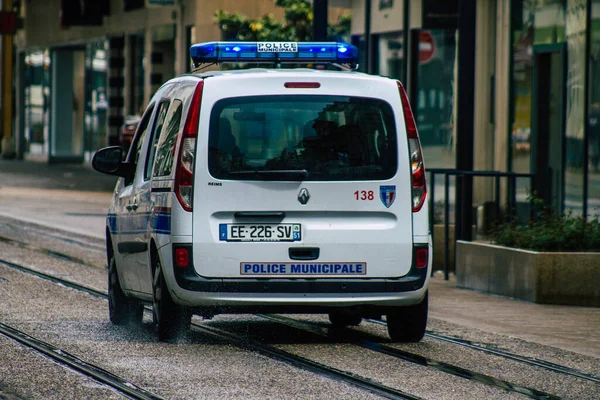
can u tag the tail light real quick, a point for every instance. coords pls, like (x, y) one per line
(421, 257)
(419, 189)
(184, 173)
(182, 257)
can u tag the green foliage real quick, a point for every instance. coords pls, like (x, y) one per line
(237, 26)
(342, 28)
(550, 232)
(297, 25)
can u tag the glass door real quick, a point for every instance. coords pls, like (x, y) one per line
(548, 123)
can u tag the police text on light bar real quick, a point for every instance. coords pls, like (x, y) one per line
(274, 52)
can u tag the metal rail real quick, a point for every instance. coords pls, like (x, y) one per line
(506, 354)
(495, 351)
(67, 283)
(62, 236)
(416, 359)
(511, 196)
(58, 254)
(309, 365)
(297, 361)
(93, 371)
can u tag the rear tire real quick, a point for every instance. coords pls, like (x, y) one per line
(408, 324)
(122, 310)
(169, 318)
(340, 319)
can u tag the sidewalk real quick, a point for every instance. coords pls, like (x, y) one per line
(81, 177)
(570, 328)
(76, 198)
(71, 197)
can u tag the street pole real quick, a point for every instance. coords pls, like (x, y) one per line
(182, 63)
(320, 20)
(465, 119)
(405, 43)
(368, 64)
(7, 98)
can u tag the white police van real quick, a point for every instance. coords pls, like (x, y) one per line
(276, 190)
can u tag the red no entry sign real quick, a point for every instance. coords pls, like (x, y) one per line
(426, 47)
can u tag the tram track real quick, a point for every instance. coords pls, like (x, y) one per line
(86, 242)
(561, 369)
(315, 367)
(85, 368)
(53, 253)
(356, 339)
(553, 367)
(238, 340)
(309, 365)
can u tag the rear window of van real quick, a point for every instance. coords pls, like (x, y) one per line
(314, 138)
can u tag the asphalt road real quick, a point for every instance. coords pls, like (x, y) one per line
(199, 366)
(46, 210)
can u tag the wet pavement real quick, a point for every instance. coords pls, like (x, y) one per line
(70, 197)
(74, 198)
(28, 174)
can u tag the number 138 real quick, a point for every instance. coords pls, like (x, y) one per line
(364, 195)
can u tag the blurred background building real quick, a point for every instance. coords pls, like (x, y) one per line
(522, 94)
(535, 87)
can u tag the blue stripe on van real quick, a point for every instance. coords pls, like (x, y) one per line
(111, 221)
(159, 222)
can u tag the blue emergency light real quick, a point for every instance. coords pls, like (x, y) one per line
(274, 52)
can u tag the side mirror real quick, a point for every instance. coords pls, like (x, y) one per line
(108, 161)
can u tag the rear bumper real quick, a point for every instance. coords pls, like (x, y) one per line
(194, 290)
(188, 280)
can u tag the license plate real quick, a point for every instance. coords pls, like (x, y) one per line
(259, 232)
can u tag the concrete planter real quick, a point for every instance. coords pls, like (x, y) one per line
(540, 277)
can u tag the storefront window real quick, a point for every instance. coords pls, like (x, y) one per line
(435, 97)
(594, 114)
(390, 55)
(96, 107)
(575, 113)
(37, 100)
(433, 101)
(539, 22)
(549, 44)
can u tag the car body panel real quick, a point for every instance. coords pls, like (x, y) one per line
(345, 228)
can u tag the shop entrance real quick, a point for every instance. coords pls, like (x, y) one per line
(548, 123)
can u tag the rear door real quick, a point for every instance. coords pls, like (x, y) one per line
(126, 221)
(141, 200)
(302, 182)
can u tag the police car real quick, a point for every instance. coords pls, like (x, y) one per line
(277, 190)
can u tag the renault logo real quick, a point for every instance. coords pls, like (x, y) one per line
(303, 196)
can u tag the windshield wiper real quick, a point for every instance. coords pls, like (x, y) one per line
(291, 174)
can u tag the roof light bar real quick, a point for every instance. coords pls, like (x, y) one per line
(274, 52)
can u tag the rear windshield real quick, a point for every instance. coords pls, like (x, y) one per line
(314, 138)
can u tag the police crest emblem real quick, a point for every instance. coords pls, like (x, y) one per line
(387, 194)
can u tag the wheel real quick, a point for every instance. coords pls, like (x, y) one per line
(342, 319)
(170, 319)
(407, 324)
(122, 310)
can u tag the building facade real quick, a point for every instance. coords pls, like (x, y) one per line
(83, 67)
(536, 88)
